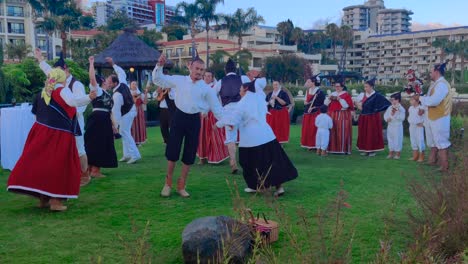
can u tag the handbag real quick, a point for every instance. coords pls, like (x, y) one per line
(268, 229)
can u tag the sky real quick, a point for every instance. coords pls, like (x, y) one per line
(309, 14)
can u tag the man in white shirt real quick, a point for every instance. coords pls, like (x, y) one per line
(124, 112)
(78, 90)
(192, 97)
(439, 103)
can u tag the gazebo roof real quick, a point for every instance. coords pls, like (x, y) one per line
(128, 51)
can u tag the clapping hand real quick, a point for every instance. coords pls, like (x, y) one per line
(421, 112)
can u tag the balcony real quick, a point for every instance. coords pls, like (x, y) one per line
(16, 30)
(16, 1)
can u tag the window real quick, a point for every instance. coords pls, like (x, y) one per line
(168, 53)
(15, 11)
(16, 28)
(1, 27)
(17, 42)
(179, 51)
(1, 42)
(190, 51)
(42, 44)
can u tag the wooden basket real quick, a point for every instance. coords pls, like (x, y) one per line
(268, 229)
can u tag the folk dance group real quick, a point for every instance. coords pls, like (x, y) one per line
(206, 118)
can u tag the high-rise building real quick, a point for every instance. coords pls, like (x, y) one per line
(374, 16)
(159, 8)
(138, 10)
(102, 11)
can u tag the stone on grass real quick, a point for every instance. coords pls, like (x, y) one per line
(205, 239)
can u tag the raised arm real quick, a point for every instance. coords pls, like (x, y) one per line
(45, 67)
(162, 80)
(92, 73)
(118, 70)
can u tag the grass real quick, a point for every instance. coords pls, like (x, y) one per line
(129, 197)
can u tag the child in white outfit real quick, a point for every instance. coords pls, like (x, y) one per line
(394, 116)
(416, 129)
(324, 123)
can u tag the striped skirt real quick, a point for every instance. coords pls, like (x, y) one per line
(211, 144)
(342, 132)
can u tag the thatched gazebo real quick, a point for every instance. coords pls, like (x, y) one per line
(130, 53)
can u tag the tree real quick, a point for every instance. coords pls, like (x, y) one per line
(441, 43)
(346, 39)
(103, 40)
(285, 68)
(462, 50)
(190, 17)
(174, 32)
(5, 91)
(333, 32)
(17, 51)
(87, 22)
(81, 49)
(240, 22)
(207, 9)
(285, 28)
(297, 35)
(119, 21)
(151, 37)
(60, 15)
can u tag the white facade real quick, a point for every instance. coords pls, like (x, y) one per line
(392, 21)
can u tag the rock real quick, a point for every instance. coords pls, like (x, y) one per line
(204, 239)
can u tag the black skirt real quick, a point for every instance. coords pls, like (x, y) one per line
(266, 165)
(99, 140)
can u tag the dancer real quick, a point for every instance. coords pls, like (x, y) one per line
(193, 96)
(49, 167)
(139, 123)
(167, 107)
(99, 135)
(394, 116)
(278, 114)
(123, 111)
(228, 89)
(370, 133)
(438, 100)
(324, 123)
(263, 160)
(341, 108)
(78, 89)
(211, 146)
(416, 129)
(315, 98)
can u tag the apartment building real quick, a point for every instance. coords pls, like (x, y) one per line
(374, 16)
(102, 11)
(388, 57)
(138, 10)
(261, 41)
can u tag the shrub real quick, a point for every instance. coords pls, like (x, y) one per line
(152, 110)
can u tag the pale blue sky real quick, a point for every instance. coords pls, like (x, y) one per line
(305, 13)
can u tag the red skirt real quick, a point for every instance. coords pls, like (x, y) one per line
(279, 123)
(309, 130)
(49, 165)
(370, 133)
(211, 142)
(342, 132)
(139, 126)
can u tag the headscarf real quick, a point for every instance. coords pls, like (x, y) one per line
(55, 77)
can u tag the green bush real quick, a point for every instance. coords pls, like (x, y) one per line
(298, 110)
(152, 110)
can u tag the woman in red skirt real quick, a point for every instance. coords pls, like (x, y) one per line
(211, 147)
(370, 132)
(278, 114)
(340, 106)
(49, 167)
(315, 98)
(139, 123)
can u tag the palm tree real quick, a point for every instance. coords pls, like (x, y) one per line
(441, 43)
(60, 15)
(285, 28)
(17, 51)
(207, 9)
(333, 32)
(463, 54)
(240, 22)
(218, 56)
(190, 17)
(346, 39)
(297, 35)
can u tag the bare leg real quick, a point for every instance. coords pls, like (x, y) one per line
(170, 172)
(85, 178)
(182, 181)
(232, 157)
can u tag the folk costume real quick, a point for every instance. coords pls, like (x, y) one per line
(139, 123)
(370, 132)
(263, 160)
(315, 98)
(394, 116)
(166, 110)
(416, 129)
(324, 123)
(211, 143)
(124, 112)
(50, 165)
(278, 115)
(340, 107)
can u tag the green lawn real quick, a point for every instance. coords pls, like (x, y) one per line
(130, 194)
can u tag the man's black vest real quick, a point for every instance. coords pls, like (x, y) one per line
(230, 89)
(72, 82)
(124, 90)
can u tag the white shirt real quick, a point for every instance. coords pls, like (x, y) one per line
(249, 114)
(414, 118)
(117, 97)
(397, 118)
(439, 94)
(324, 121)
(71, 99)
(344, 104)
(360, 97)
(78, 87)
(190, 97)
